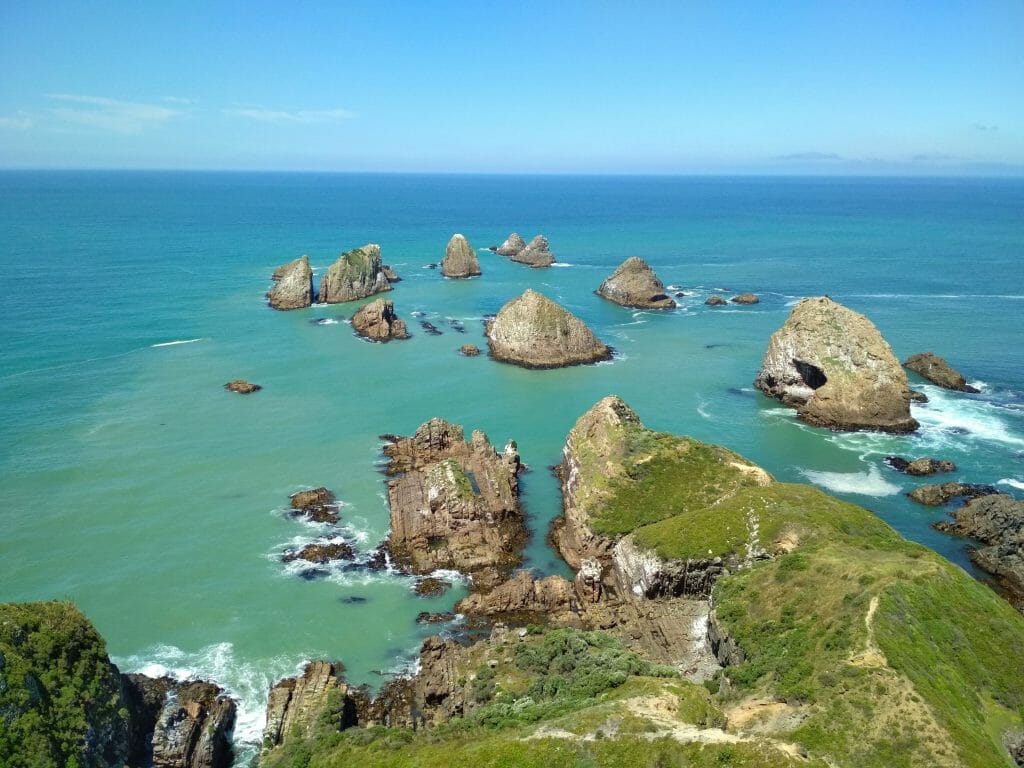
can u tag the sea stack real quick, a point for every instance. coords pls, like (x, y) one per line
(355, 275)
(634, 284)
(377, 321)
(459, 259)
(512, 246)
(936, 370)
(293, 285)
(834, 367)
(535, 332)
(536, 254)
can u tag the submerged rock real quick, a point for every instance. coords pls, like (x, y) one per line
(941, 493)
(920, 467)
(460, 259)
(936, 370)
(242, 387)
(535, 332)
(716, 301)
(377, 321)
(634, 284)
(512, 246)
(293, 285)
(317, 505)
(834, 367)
(536, 254)
(355, 275)
(454, 505)
(745, 298)
(431, 587)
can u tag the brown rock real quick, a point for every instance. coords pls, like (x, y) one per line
(355, 275)
(469, 350)
(431, 587)
(296, 704)
(293, 285)
(716, 301)
(745, 298)
(425, 617)
(377, 321)
(512, 246)
(525, 600)
(242, 387)
(317, 505)
(942, 493)
(634, 284)
(536, 254)
(320, 552)
(920, 467)
(938, 371)
(460, 259)
(390, 274)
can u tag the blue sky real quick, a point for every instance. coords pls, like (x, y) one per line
(548, 87)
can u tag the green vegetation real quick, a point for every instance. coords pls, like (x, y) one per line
(60, 702)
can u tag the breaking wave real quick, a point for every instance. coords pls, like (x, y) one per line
(870, 483)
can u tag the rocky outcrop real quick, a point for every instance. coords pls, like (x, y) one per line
(512, 246)
(377, 321)
(943, 493)
(431, 587)
(716, 301)
(745, 298)
(293, 285)
(242, 387)
(469, 350)
(179, 725)
(390, 274)
(535, 332)
(936, 370)
(320, 552)
(537, 253)
(920, 467)
(634, 284)
(317, 505)
(998, 522)
(454, 505)
(460, 259)
(525, 600)
(355, 275)
(834, 367)
(296, 704)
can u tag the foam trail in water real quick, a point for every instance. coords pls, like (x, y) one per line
(952, 415)
(174, 343)
(1012, 483)
(870, 483)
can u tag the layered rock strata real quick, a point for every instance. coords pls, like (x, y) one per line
(634, 284)
(834, 367)
(454, 505)
(355, 275)
(535, 332)
(293, 285)
(460, 259)
(377, 321)
(936, 370)
(295, 704)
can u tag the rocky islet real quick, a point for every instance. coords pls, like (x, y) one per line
(634, 284)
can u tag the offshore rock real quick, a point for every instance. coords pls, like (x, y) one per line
(716, 301)
(536, 254)
(390, 274)
(242, 387)
(469, 350)
(460, 259)
(745, 298)
(535, 332)
(634, 284)
(355, 275)
(295, 704)
(377, 321)
(454, 505)
(942, 493)
(997, 521)
(181, 725)
(834, 367)
(293, 285)
(920, 467)
(317, 505)
(936, 370)
(512, 246)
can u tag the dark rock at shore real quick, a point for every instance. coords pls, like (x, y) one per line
(377, 321)
(745, 298)
(317, 505)
(716, 301)
(431, 587)
(938, 494)
(469, 350)
(293, 285)
(920, 467)
(634, 284)
(918, 397)
(425, 617)
(938, 371)
(432, 265)
(242, 387)
(320, 552)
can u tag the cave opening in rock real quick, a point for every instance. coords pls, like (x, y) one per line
(812, 375)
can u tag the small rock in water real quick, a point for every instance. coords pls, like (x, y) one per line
(745, 298)
(320, 552)
(425, 617)
(456, 325)
(920, 467)
(918, 397)
(242, 387)
(352, 599)
(430, 328)
(715, 301)
(937, 495)
(469, 350)
(317, 505)
(680, 294)
(432, 265)
(431, 587)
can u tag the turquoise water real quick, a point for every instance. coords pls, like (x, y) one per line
(134, 485)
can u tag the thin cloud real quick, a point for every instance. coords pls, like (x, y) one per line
(984, 127)
(934, 157)
(113, 115)
(809, 156)
(295, 117)
(19, 121)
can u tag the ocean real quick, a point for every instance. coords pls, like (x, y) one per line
(133, 484)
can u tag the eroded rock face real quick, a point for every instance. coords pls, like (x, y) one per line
(998, 522)
(512, 246)
(377, 321)
(355, 275)
(293, 285)
(535, 332)
(295, 704)
(320, 552)
(834, 367)
(454, 505)
(537, 253)
(179, 725)
(938, 371)
(634, 284)
(460, 259)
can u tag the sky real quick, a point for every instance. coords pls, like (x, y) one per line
(717, 87)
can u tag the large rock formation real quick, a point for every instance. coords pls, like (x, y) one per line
(355, 275)
(938, 371)
(537, 253)
(296, 704)
(997, 521)
(293, 285)
(512, 246)
(377, 321)
(535, 332)
(454, 505)
(834, 367)
(459, 259)
(634, 284)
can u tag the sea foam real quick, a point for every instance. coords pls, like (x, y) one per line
(870, 483)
